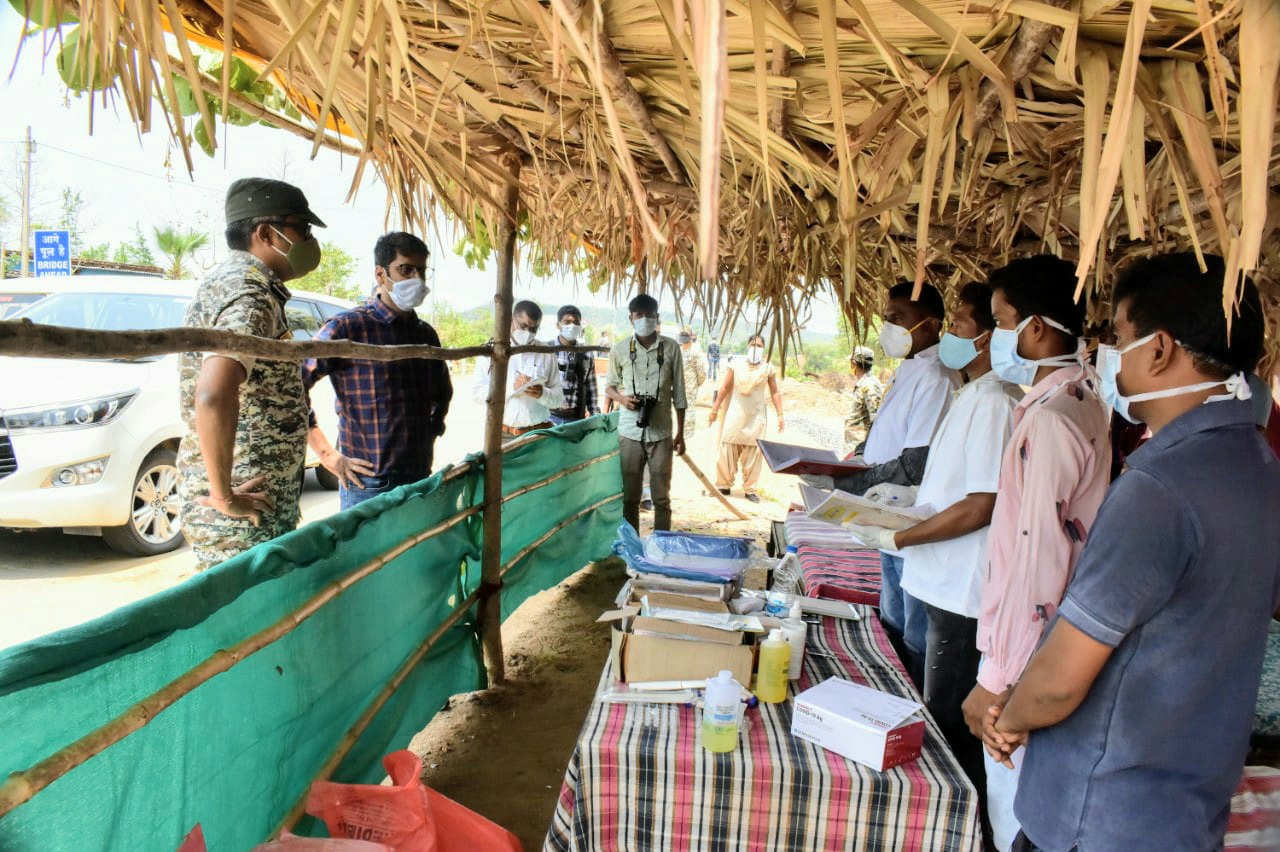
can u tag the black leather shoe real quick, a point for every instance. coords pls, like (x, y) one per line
(754, 498)
(724, 491)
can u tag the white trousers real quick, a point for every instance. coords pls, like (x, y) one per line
(1002, 787)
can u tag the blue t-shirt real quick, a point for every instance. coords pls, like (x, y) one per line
(1180, 576)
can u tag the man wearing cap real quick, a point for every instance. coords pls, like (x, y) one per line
(867, 393)
(240, 462)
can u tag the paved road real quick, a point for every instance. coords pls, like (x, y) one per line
(49, 581)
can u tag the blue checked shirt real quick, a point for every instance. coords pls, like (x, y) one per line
(389, 412)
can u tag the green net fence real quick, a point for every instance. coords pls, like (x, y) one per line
(292, 648)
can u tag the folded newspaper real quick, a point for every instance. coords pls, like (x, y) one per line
(840, 507)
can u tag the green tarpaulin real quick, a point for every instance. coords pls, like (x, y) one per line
(237, 752)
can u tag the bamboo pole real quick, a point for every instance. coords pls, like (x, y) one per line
(20, 787)
(23, 338)
(546, 536)
(354, 732)
(491, 549)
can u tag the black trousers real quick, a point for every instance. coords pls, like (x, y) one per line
(950, 671)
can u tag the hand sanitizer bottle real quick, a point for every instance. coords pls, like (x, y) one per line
(721, 708)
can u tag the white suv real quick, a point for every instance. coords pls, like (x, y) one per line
(90, 445)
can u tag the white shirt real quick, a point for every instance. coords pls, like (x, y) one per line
(964, 459)
(912, 407)
(523, 410)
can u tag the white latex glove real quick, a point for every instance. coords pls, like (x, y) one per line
(877, 537)
(826, 483)
(892, 495)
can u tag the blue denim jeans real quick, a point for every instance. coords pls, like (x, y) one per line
(373, 486)
(556, 420)
(901, 614)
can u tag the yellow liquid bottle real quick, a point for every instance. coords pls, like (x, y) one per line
(721, 708)
(775, 660)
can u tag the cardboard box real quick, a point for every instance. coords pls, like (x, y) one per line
(667, 600)
(652, 649)
(866, 725)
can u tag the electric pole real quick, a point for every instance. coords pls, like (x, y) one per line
(26, 205)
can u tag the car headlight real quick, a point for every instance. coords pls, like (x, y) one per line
(85, 473)
(71, 415)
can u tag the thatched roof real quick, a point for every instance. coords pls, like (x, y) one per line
(861, 141)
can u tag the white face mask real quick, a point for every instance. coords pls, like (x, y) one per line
(644, 326)
(409, 293)
(571, 331)
(755, 354)
(896, 340)
(522, 336)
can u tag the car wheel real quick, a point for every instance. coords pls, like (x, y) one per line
(327, 480)
(154, 509)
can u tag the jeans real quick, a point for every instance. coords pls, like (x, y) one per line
(951, 669)
(713, 368)
(373, 486)
(636, 457)
(903, 617)
(556, 420)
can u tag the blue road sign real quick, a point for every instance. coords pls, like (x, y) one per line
(52, 252)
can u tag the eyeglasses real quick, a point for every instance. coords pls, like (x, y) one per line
(406, 270)
(303, 229)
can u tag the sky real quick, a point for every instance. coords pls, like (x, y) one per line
(127, 179)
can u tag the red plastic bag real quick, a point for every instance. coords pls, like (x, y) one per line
(293, 843)
(407, 816)
(397, 816)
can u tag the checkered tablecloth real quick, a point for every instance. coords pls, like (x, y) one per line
(639, 779)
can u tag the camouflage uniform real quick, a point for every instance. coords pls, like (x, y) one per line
(694, 375)
(243, 295)
(866, 402)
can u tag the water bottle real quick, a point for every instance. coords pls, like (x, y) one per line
(720, 712)
(786, 581)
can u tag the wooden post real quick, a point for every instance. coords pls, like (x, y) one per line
(491, 549)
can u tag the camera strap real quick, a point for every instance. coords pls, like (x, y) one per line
(658, 385)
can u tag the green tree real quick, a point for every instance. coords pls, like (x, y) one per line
(135, 251)
(333, 275)
(178, 247)
(100, 251)
(73, 206)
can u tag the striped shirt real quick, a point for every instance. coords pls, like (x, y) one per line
(389, 412)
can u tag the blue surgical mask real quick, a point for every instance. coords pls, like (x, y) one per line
(958, 352)
(1109, 366)
(644, 326)
(1011, 366)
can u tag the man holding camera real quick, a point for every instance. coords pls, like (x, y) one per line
(646, 380)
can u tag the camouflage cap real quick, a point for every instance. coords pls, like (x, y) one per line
(255, 198)
(863, 355)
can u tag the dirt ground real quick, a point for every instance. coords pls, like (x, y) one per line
(503, 751)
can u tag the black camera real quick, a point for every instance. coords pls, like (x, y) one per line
(645, 405)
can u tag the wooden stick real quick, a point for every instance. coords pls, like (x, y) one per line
(491, 547)
(702, 477)
(542, 539)
(20, 787)
(354, 732)
(23, 338)
(520, 492)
